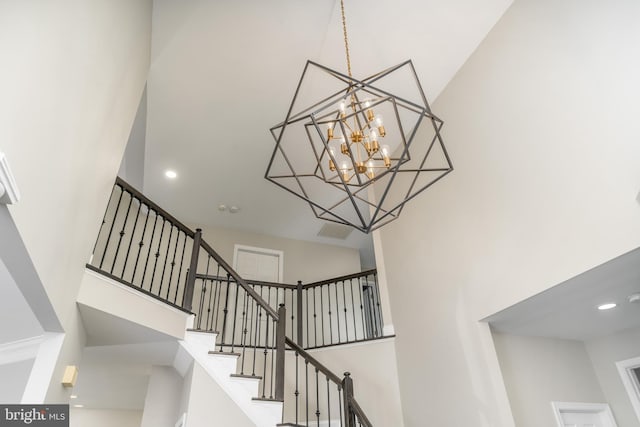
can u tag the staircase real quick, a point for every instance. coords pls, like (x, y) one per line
(268, 375)
(242, 389)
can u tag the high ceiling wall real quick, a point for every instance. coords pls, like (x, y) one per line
(542, 127)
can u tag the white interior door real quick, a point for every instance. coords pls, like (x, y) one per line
(258, 263)
(583, 415)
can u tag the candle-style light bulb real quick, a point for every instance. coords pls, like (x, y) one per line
(386, 156)
(332, 155)
(373, 146)
(380, 125)
(344, 171)
(343, 110)
(368, 110)
(330, 130)
(370, 171)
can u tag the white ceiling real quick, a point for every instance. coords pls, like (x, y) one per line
(223, 73)
(569, 310)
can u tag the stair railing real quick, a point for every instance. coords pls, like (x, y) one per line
(318, 396)
(142, 246)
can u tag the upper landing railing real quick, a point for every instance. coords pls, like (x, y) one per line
(144, 247)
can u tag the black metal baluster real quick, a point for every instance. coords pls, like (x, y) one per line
(122, 233)
(273, 359)
(255, 343)
(329, 306)
(342, 420)
(344, 305)
(328, 403)
(306, 369)
(104, 221)
(203, 291)
(264, 367)
(173, 262)
(184, 248)
(135, 225)
(365, 335)
(353, 310)
(216, 302)
(140, 245)
(225, 311)
(322, 314)
(337, 312)
(245, 318)
(157, 254)
(166, 258)
(296, 392)
(378, 308)
(235, 316)
(292, 311)
(317, 399)
(315, 326)
(146, 263)
(115, 216)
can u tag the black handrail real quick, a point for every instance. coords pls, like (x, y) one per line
(153, 206)
(293, 346)
(239, 280)
(340, 278)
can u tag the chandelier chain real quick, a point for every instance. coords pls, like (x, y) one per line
(346, 40)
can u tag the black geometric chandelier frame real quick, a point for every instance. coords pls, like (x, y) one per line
(337, 153)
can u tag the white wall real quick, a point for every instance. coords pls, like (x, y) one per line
(541, 124)
(80, 417)
(604, 353)
(162, 404)
(210, 405)
(304, 261)
(538, 371)
(71, 81)
(373, 369)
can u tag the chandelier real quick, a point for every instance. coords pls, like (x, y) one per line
(357, 150)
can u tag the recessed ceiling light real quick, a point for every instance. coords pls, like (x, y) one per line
(78, 406)
(171, 174)
(607, 306)
(73, 396)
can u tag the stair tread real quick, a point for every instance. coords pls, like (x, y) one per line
(290, 425)
(225, 353)
(203, 331)
(266, 399)
(256, 377)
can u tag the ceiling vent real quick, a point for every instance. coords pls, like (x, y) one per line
(335, 231)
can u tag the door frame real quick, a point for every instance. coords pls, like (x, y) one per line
(594, 408)
(631, 386)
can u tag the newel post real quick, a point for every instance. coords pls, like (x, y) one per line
(299, 314)
(280, 352)
(187, 300)
(347, 394)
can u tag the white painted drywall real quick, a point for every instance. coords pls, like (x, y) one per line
(132, 166)
(121, 301)
(604, 353)
(71, 82)
(374, 372)
(162, 404)
(81, 417)
(304, 261)
(210, 405)
(538, 371)
(14, 378)
(541, 125)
